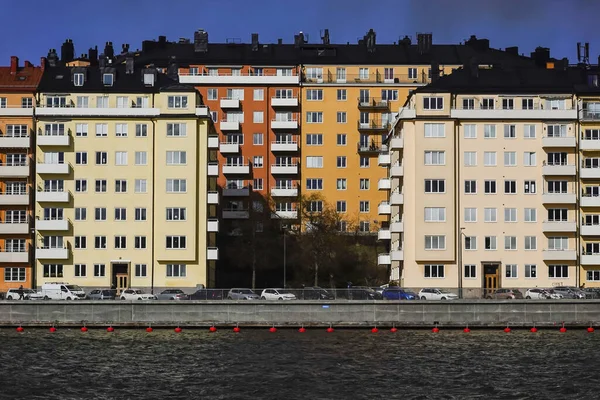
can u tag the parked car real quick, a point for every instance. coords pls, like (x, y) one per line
(397, 293)
(28, 294)
(592, 293)
(172, 294)
(206, 294)
(136, 294)
(537, 294)
(569, 292)
(506, 294)
(436, 294)
(62, 291)
(102, 294)
(553, 295)
(358, 293)
(242, 294)
(277, 294)
(316, 293)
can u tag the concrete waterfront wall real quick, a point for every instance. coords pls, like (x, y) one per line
(479, 313)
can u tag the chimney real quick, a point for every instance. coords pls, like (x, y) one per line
(125, 48)
(162, 42)
(93, 55)
(67, 51)
(370, 40)
(173, 69)
(52, 58)
(435, 70)
(541, 56)
(424, 41)
(109, 51)
(201, 41)
(43, 62)
(129, 64)
(279, 41)
(326, 37)
(28, 64)
(14, 64)
(512, 50)
(406, 41)
(255, 42)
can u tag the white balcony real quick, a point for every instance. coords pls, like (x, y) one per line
(97, 112)
(9, 142)
(284, 101)
(284, 146)
(58, 253)
(52, 225)
(14, 171)
(284, 192)
(57, 140)
(284, 169)
(559, 226)
(384, 159)
(590, 201)
(236, 192)
(213, 197)
(290, 124)
(14, 199)
(52, 197)
(384, 208)
(590, 173)
(397, 171)
(202, 111)
(590, 259)
(212, 253)
(560, 170)
(500, 114)
(235, 214)
(559, 255)
(396, 143)
(384, 234)
(397, 227)
(14, 256)
(590, 230)
(236, 169)
(559, 198)
(47, 168)
(552, 141)
(213, 169)
(206, 79)
(16, 112)
(230, 103)
(230, 125)
(384, 184)
(291, 214)
(587, 144)
(213, 225)
(213, 142)
(396, 199)
(384, 259)
(17, 228)
(397, 255)
(229, 148)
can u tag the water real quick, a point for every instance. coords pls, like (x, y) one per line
(257, 364)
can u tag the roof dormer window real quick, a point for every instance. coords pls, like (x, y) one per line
(107, 79)
(78, 79)
(149, 79)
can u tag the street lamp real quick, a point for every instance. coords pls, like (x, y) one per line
(284, 228)
(460, 248)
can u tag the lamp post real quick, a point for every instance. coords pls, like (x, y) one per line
(284, 258)
(460, 267)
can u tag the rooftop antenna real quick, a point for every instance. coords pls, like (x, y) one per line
(585, 49)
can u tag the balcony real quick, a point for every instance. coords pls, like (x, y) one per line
(213, 225)
(587, 200)
(589, 144)
(407, 113)
(284, 191)
(590, 258)
(384, 159)
(52, 197)
(52, 224)
(97, 112)
(590, 230)
(52, 253)
(396, 199)
(210, 78)
(202, 111)
(374, 103)
(553, 141)
(284, 146)
(384, 184)
(235, 214)
(384, 234)
(239, 169)
(16, 170)
(14, 199)
(384, 208)
(397, 255)
(537, 113)
(213, 197)
(230, 125)
(397, 227)
(397, 171)
(559, 255)
(228, 102)
(15, 142)
(14, 256)
(212, 253)
(369, 78)
(384, 259)
(236, 192)
(53, 140)
(213, 142)
(559, 226)
(589, 173)
(14, 227)
(372, 148)
(559, 169)
(396, 143)
(52, 168)
(287, 124)
(589, 115)
(11, 111)
(229, 147)
(559, 198)
(289, 214)
(213, 169)
(284, 169)
(373, 126)
(284, 101)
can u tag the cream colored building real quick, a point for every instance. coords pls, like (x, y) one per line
(486, 185)
(122, 176)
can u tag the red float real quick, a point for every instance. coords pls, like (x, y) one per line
(302, 329)
(236, 329)
(52, 329)
(84, 329)
(178, 330)
(149, 329)
(466, 330)
(374, 330)
(562, 329)
(212, 329)
(435, 329)
(507, 329)
(534, 329)
(394, 329)
(330, 330)
(110, 329)
(590, 329)
(20, 329)
(272, 329)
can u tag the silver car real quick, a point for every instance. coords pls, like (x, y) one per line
(172, 294)
(242, 294)
(28, 294)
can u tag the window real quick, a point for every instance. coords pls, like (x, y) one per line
(433, 103)
(490, 215)
(490, 242)
(470, 131)
(557, 186)
(510, 158)
(176, 185)
(80, 214)
(101, 158)
(341, 139)
(120, 186)
(433, 271)
(140, 214)
(470, 214)
(593, 275)
(120, 242)
(141, 130)
(53, 270)
(100, 242)
(80, 270)
(470, 270)
(101, 130)
(530, 243)
(81, 158)
(364, 162)
(489, 186)
(508, 104)
(558, 271)
(258, 184)
(257, 139)
(365, 183)
(489, 158)
(470, 187)
(176, 271)
(141, 158)
(81, 185)
(258, 117)
(341, 94)
(140, 270)
(557, 131)
(120, 214)
(489, 131)
(175, 242)
(177, 101)
(529, 131)
(26, 102)
(100, 185)
(314, 184)
(510, 242)
(341, 161)
(510, 187)
(434, 130)
(121, 158)
(81, 130)
(341, 117)
(510, 270)
(530, 215)
(412, 73)
(314, 95)
(14, 274)
(510, 131)
(176, 130)
(176, 214)
(435, 214)
(121, 130)
(558, 243)
(107, 80)
(314, 117)
(530, 271)
(529, 187)
(258, 95)
(389, 95)
(435, 185)
(487, 104)
(470, 158)
(314, 162)
(435, 157)
(80, 242)
(100, 213)
(341, 184)
(470, 243)
(364, 206)
(529, 158)
(140, 242)
(315, 206)
(176, 157)
(99, 270)
(435, 242)
(314, 139)
(364, 226)
(213, 94)
(510, 215)
(340, 206)
(140, 186)
(257, 161)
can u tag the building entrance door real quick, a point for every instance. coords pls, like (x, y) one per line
(120, 277)
(122, 282)
(491, 279)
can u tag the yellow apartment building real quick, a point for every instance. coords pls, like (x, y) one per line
(124, 197)
(493, 182)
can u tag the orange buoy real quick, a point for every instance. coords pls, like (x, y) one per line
(149, 329)
(435, 329)
(212, 329)
(178, 330)
(272, 329)
(302, 329)
(466, 330)
(507, 329)
(20, 329)
(84, 329)
(533, 330)
(590, 329)
(52, 329)
(562, 329)
(330, 330)
(374, 330)
(236, 329)
(110, 329)
(394, 329)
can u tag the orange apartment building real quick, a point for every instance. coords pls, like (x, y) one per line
(17, 88)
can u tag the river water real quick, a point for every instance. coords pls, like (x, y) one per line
(257, 364)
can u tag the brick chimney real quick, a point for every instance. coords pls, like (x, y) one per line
(14, 64)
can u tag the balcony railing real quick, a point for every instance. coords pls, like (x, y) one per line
(373, 126)
(329, 76)
(373, 103)
(590, 115)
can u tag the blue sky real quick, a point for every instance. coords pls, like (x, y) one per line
(30, 28)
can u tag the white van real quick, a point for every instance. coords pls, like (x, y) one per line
(62, 291)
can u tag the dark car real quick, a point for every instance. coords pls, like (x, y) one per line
(397, 293)
(315, 293)
(592, 293)
(102, 294)
(207, 294)
(359, 293)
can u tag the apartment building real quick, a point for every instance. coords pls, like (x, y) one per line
(17, 89)
(494, 180)
(126, 195)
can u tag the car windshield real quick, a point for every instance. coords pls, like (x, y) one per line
(444, 291)
(138, 291)
(246, 291)
(73, 287)
(28, 291)
(283, 291)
